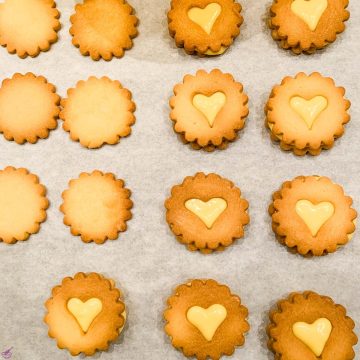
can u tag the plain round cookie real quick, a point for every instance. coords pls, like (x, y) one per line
(23, 204)
(96, 206)
(28, 27)
(29, 108)
(98, 111)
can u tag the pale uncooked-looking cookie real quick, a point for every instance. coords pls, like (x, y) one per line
(23, 204)
(96, 206)
(98, 112)
(29, 108)
(28, 26)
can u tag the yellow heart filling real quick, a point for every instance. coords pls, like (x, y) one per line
(207, 321)
(208, 212)
(205, 17)
(309, 110)
(314, 216)
(212, 53)
(310, 11)
(84, 312)
(314, 335)
(210, 106)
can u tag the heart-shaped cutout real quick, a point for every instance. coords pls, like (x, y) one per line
(209, 211)
(314, 335)
(310, 11)
(207, 321)
(210, 106)
(205, 17)
(309, 110)
(84, 312)
(314, 216)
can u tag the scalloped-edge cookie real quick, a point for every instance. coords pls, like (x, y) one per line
(310, 326)
(103, 28)
(85, 313)
(209, 109)
(305, 26)
(204, 27)
(206, 212)
(29, 108)
(96, 206)
(307, 113)
(98, 111)
(23, 204)
(312, 215)
(28, 27)
(204, 319)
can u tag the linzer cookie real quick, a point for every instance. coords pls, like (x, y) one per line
(23, 204)
(96, 206)
(98, 112)
(29, 108)
(28, 27)
(204, 319)
(209, 109)
(312, 215)
(85, 313)
(306, 114)
(305, 26)
(308, 326)
(103, 28)
(204, 27)
(207, 212)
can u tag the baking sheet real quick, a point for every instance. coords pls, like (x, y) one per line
(147, 262)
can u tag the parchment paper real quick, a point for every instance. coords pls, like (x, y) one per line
(146, 261)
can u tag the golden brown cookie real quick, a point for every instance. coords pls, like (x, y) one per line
(209, 109)
(28, 26)
(308, 326)
(29, 108)
(98, 112)
(103, 28)
(96, 206)
(306, 114)
(23, 204)
(305, 26)
(206, 212)
(312, 215)
(204, 27)
(85, 313)
(204, 319)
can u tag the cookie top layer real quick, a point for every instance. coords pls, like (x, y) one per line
(308, 326)
(98, 112)
(209, 108)
(28, 27)
(23, 204)
(312, 215)
(204, 27)
(307, 112)
(206, 212)
(204, 319)
(103, 28)
(96, 206)
(29, 108)
(307, 25)
(85, 313)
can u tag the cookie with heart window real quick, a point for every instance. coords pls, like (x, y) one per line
(204, 319)
(312, 215)
(85, 313)
(209, 109)
(309, 326)
(204, 27)
(305, 26)
(206, 212)
(307, 113)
